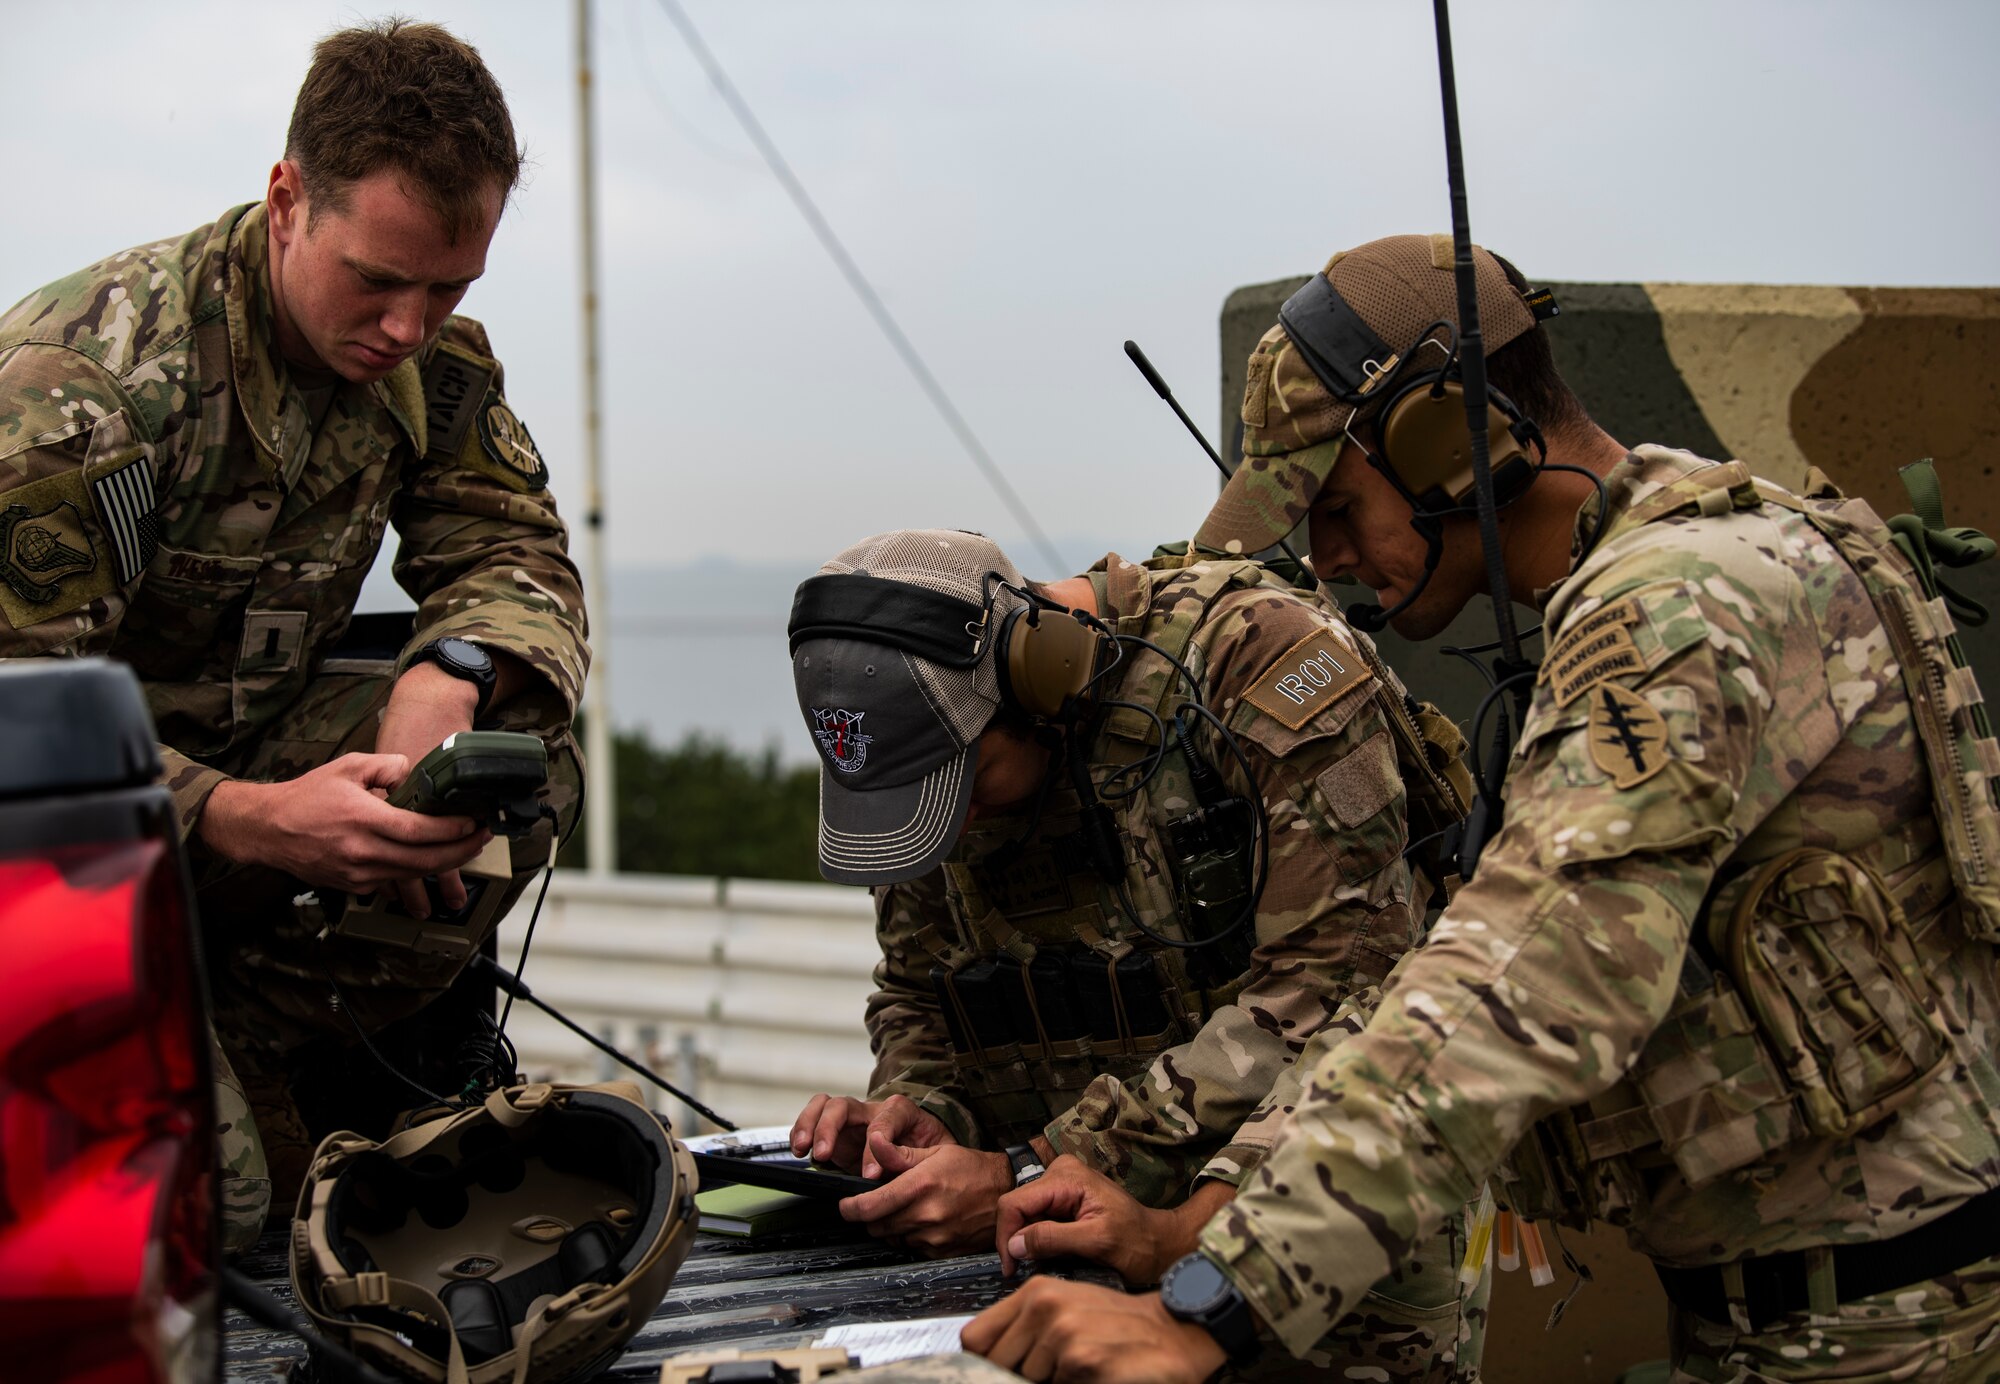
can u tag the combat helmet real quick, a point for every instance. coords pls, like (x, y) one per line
(527, 1237)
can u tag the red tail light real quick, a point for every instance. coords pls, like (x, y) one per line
(107, 1221)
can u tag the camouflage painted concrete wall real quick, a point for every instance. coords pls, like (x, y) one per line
(1856, 381)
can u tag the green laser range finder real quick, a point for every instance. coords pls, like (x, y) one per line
(491, 776)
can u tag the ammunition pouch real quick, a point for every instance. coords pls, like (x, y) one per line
(1827, 967)
(1026, 1037)
(1819, 1020)
(1806, 1007)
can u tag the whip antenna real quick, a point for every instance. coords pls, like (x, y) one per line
(1472, 354)
(1160, 388)
(1511, 673)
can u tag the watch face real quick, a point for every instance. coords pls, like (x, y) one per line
(1194, 1286)
(463, 653)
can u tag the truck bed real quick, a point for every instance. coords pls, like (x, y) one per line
(779, 1292)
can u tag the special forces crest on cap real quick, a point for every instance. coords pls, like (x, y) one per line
(38, 551)
(838, 731)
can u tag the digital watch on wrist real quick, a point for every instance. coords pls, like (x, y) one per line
(462, 659)
(1026, 1163)
(1196, 1290)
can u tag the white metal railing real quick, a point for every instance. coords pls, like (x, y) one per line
(746, 993)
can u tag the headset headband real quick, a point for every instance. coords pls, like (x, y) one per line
(874, 610)
(1332, 339)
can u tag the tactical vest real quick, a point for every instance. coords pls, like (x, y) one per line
(1046, 984)
(1806, 1007)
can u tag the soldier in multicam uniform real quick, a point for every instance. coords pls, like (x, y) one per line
(201, 442)
(1033, 1000)
(1725, 978)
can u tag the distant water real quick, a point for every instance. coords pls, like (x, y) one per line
(703, 648)
(700, 647)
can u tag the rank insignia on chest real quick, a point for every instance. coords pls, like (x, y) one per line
(1628, 738)
(38, 552)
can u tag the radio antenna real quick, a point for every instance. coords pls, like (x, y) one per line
(1472, 353)
(1511, 673)
(1160, 388)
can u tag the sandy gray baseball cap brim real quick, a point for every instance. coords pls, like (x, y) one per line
(892, 835)
(896, 769)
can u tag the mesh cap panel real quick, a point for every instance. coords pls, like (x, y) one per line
(895, 730)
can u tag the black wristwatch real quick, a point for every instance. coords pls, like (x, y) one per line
(462, 659)
(1196, 1290)
(1026, 1163)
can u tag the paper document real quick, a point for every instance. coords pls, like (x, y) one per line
(882, 1343)
(771, 1141)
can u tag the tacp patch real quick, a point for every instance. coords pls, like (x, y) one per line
(1311, 675)
(504, 438)
(1628, 738)
(455, 385)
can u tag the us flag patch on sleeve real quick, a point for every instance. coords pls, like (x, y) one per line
(129, 509)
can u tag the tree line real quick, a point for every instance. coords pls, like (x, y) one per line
(705, 807)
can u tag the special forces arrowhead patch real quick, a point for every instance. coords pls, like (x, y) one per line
(1628, 738)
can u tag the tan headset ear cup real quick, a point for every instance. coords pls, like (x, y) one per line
(1049, 662)
(1425, 439)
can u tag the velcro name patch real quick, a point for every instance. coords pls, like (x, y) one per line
(1308, 677)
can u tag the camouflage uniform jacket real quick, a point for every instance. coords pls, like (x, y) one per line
(1785, 724)
(166, 498)
(1336, 912)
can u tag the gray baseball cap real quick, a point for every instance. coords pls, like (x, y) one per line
(892, 658)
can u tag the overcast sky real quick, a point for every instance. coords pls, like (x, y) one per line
(1027, 185)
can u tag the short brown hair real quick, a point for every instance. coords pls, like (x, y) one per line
(409, 97)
